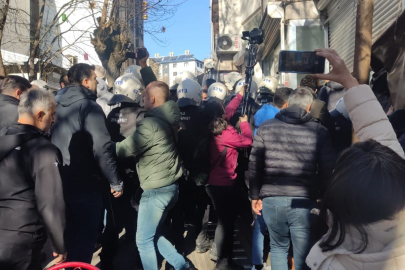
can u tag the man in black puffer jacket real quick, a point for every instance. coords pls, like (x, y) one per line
(292, 157)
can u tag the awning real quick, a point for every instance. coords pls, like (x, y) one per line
(271, 26)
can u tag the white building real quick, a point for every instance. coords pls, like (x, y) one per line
(170, 66)
(72, 44)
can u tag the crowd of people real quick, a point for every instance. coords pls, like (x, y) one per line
(319, 174)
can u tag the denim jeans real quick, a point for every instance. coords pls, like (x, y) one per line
(258, 240)
(287, 217)
(153, 209)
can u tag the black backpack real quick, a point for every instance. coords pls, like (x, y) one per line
(201, 168)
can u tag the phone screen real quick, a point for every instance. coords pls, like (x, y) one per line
(301, 62)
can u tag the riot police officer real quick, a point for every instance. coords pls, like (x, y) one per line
(121, 123)
(266, 91)
(195, 198)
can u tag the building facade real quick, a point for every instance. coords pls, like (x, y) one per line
(168, 67)
(290, 25)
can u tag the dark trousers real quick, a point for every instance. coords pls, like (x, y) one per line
(20, 250)
(119, 214)
(202, 215)
(226, 204)
(83, 214)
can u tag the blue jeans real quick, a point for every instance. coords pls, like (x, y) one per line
(153, 209)
(257, 241)
(285, 217)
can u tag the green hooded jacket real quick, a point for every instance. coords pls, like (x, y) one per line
(154, 143)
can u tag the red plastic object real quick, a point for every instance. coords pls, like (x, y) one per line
(76, 265)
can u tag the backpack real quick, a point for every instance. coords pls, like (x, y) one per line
(201, 168)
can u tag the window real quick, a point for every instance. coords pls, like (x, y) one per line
(186, 64)
(165, 66)
(174, 65)
(174, 73)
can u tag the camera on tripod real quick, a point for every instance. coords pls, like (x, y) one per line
(255, 36)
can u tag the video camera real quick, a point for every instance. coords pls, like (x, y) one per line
(255, 36)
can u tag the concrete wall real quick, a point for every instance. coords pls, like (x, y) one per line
(16, 33)
(230, 16)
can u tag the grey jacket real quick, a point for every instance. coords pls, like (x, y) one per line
(103, 96)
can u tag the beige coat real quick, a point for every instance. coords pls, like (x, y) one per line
(386, 248)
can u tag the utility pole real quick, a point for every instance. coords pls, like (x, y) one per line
(363, 40)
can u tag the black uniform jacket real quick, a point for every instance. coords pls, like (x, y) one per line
(31, 195)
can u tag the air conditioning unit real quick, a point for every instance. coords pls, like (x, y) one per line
(228, 44)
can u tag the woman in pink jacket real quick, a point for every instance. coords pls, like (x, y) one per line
(365, 201)
(223, 155)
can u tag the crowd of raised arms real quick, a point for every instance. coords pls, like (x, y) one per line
(317, 171)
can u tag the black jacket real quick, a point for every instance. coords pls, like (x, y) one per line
(291, 155)
(8, 110)
(191, 132)
(80, 133)
(31, 195)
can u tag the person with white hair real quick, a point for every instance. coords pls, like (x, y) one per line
(32, 207)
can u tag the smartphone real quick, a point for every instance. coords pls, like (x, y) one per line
(139, 54)
(301, 62)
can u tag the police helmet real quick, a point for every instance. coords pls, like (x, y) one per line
(269, 85)
(42, 85)
(188, 93)
(253, 89)
(340, 107)
(231, 79)
(217, 90)
(128, 85)
(135, 71)
(184, 75)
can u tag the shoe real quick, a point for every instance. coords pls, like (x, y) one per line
(203, 247)
(213, 252)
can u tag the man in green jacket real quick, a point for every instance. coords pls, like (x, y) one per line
(154, 143)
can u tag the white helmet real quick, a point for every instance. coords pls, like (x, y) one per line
(340, 107)
(184, 75)
(135, 71)
(269, 83)
(241, 83)
(231, 79)
(42, 85)
(217, 90)
(128, 85)
(188, 93)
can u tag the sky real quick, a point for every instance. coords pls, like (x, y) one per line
(189, 29)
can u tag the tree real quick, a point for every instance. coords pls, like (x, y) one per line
(43, 35)
(115, 24)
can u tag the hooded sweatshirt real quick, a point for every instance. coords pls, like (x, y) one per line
(266, 112)
(8, 110)
(31, 196)
(103, 96)
(81, 135)
(154, 143)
